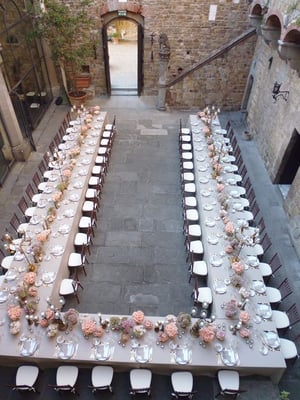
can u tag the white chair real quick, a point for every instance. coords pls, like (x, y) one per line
(192, 215)
(6, 262)
(69, 286)
(26, 378)
(202, 295)
(265, 270)
(101, 377)
(187, 156)
(185, 138)
(66, 378)
(186, 147)
(81, 239)
(42, 186)
(185, 131)
(187, 177)
(288, 349)
(229, 382)
(197, 268)
(280, 319)
(188, 165)
(89, 206)
(189, 202)
(182, 384)
(273, 294)
(78, 260)
(189, 188)
(140, 381)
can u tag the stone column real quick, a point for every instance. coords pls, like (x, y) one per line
(20, 147)
(164, 56)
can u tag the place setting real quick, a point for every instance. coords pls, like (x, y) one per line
(102, 351)
(28, 345)
(66, 347)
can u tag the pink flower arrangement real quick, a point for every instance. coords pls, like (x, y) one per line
(229, 249)
(32, 291)
(57, 196)
(15, 327)
(71, 316)
(220, 335)
(14, 313)
(148, 324)
(207, 334)
(220, 187)
(217, 167)
(171, 330)
(163, 337)
(43, 322)
(138, 317)
(67, 173)
(244, 317)
(43, 236)
(74, 151)
(231, 309)
(98, 332)
(229, 228)
(238, 267)
(244, 332)
(127, 325)
(139, 331)
(88, 327)
(30, 278)
(49, 314)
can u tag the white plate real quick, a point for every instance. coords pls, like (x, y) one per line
(231, 181)
(34, 220)
(64, 229)
(42, 203)
(52, 178)
(202, 169)
(208, 207)
(69, 213)
(229, 357)
(78, 185)
(82, 172)
(67, 349)
(264, 310)
(57, 250)
(103, 351)
(183, 355)
(205, 193)
(28, 346)
(271, 339)
(74, 197)
(253, 261)
(212, 240)
(238, 206)
(90, 151)
(259, 286)
(203, 179)
(48, 277)
(18, 256)
(10, 275)
(48, 189)
(220, 131)
(86, 161)
(220, 287)
(210, 223)
(234, 193)
(216, 261)
(92, 142)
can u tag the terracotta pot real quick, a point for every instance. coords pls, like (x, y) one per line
(82, 81)
(78, 98)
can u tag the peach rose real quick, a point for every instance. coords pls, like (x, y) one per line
(244, 333)
(220, 187)
(43, 322)
(148, 324)
(171, 330)
(207, 334)
(30, 278)
(238, 267)
(88, 327)
(138, 317)
(14, 313)
(98, 332)
(33, 291)
(244, 317)
(229, 228)
(163, 337)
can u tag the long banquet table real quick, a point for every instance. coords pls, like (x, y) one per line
(202, 358)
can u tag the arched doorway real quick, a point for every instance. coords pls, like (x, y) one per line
(123, 61)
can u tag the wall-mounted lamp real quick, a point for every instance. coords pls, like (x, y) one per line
(277, 93)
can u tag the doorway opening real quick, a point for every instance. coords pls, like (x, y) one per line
(122, 38)
(289, 165)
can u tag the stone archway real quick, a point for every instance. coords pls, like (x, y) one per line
(126, 16)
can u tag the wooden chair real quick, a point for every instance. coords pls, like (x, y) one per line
(69, 286)
(102, 376)
(293, 314)
(77, 261)
(285, 289)
(255, 209)
(229, 382)
(140, 381)
(36, 180)
(261, 225)
(266, 242)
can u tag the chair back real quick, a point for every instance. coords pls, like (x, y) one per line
(266, 242)
(293, 314)
(255, 209)
(261, 225)
(15, 222)
(36, 180)
(285, 289)
(23, 205)
(275, 263)
(29, 191)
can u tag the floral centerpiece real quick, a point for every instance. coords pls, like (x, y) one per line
(138, 316)
(207, 333)
(231, 308)
(184, 320)
(88, 327)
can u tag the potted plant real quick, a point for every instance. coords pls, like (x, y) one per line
(67, 31)
(115, 37)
